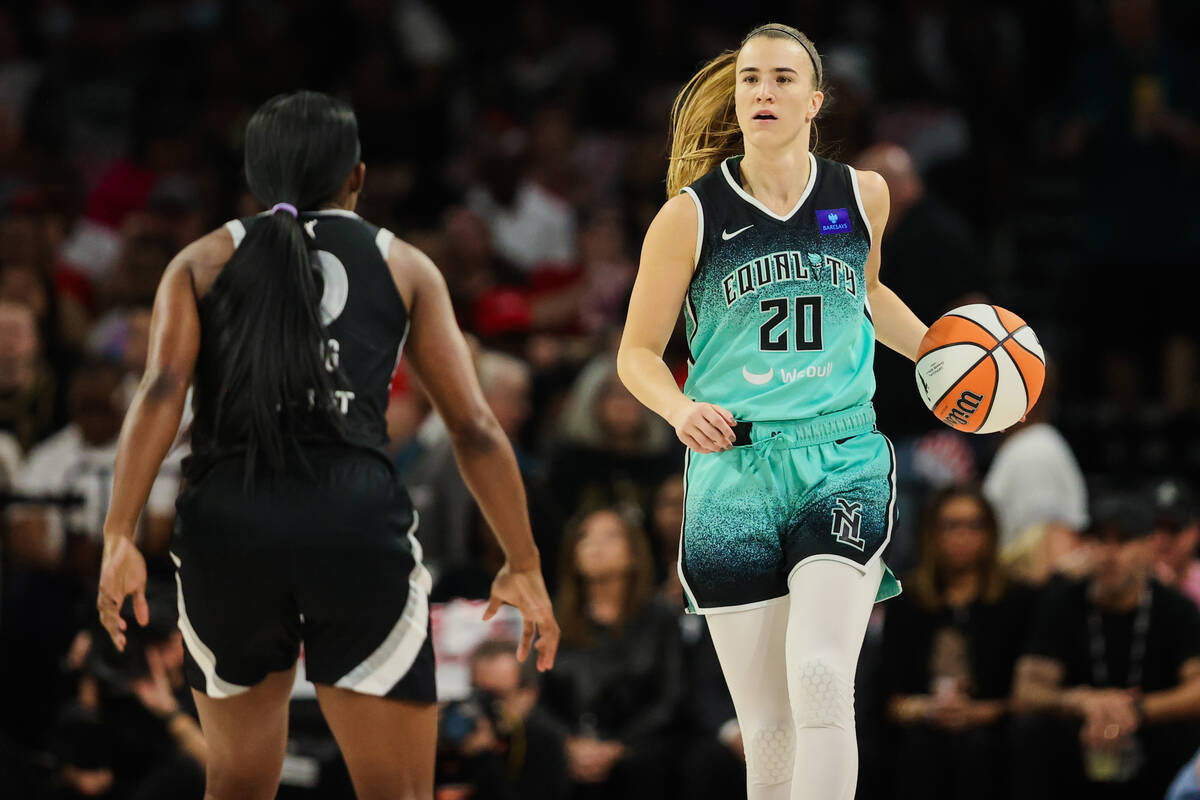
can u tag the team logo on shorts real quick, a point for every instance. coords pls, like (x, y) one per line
(847, 522)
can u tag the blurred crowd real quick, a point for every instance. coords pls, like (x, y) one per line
(1039, 156)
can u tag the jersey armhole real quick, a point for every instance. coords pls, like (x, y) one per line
(699, 225)
(862, 211)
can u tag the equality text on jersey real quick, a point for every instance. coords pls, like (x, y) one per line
(787, 265)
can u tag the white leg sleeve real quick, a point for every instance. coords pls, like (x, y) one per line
(829, 604)
(750, 645)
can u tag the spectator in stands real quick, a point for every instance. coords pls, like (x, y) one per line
(1034, 478)
(666, 526)
(132, 724)
(613, 450)
(1176, 536)
(931, 279)
(1110, 677)
(453, 531)
(616, 685)
(949, 645)
(28, 386)
(512, 750)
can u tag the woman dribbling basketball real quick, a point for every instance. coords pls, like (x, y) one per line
(773, 253)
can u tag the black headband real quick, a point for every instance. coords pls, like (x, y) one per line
(808, 48)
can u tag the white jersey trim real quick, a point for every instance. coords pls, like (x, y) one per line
(383, 240)
(332, 212)
(812, 181)
(699, 225)
(237, 230)
(858, 199)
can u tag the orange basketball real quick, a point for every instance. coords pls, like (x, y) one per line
(980, 368)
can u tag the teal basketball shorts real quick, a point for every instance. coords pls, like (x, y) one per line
(797, 491)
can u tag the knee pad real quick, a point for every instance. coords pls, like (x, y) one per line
(770, 750)
(822, 695)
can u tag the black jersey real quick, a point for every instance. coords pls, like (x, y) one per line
(366, 323)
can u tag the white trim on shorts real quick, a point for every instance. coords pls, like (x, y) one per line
(687, 462)
(214, 684)
(693, 605)
(379, 672)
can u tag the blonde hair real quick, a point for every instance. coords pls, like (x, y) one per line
(704, 126)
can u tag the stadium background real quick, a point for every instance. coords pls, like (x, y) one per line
(1041, 156)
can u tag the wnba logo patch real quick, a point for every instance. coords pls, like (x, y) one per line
(833, 220)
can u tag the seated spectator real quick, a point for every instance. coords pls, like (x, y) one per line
(1109, 684)
(949, 645)
(55, 535)
(75, 466)
(455, 535)
(931, 280)
(1176, 536)
(132, 725)
(666, 526)
(28, 387)
(616, 683)
(497, 743)
(714, 759)
(614, 451)
(1034, 478)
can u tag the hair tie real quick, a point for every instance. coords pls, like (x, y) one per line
(288, 207)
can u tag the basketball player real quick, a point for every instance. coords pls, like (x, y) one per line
(790, 491)
(292, 526)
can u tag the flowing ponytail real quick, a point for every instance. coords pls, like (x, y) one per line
(263, 338)
(704, 126)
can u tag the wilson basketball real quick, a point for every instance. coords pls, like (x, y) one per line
(980, 368)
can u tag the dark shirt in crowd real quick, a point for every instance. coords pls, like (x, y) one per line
(1047, 753)
(625, 685)
(975, 645)
(994, 634)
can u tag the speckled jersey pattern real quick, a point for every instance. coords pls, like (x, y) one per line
(780, 333)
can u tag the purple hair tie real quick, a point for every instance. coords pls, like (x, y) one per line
(288, 207)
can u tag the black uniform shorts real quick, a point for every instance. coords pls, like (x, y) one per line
(329, 561)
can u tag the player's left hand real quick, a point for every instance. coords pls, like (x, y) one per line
(122, 573)
(526, 590)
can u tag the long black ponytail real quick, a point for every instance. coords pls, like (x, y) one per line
(264, 340)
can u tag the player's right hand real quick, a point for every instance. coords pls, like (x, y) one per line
(704, 427)
(122, 573)
(526, 591)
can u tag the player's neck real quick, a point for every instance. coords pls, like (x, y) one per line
(346, 202)
(775, 178)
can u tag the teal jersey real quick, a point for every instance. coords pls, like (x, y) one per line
(778, 323)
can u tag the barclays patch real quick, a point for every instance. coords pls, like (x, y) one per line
(833, 220)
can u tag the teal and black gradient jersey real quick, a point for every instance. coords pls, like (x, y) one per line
(778, 323)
